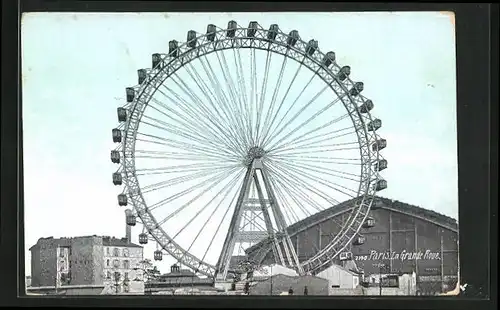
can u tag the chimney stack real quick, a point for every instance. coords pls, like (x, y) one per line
(128, 228)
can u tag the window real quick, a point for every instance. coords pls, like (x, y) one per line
(107, 251)
(116, 263)
(126, 264)
(126, 288)
(116, 252)
(107, 263)
(125, 252)
(126, 275)
(108, 275)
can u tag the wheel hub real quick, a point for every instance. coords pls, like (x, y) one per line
(254, 152)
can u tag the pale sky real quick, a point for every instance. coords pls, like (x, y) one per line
(76, 68)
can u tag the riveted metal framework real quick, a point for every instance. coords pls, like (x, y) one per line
(290, 45)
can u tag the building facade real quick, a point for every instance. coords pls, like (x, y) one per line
(122, 262)
(179, 281)
(398, 239)
(340, 277)
(88, 260)
(300, 285)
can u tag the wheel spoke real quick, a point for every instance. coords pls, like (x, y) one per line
(233, 200)
(182, 146)
(207, 122)
(224, 189)
(214, 181)
(270, 110)
(224, 123)
(300, 143)
(300, 185)
(263, 95)
(200, 124)
(265, 138)
(309, 103)
(223, 101)
(319, 180)
(314, 116)
(200, 142)
(235, 111)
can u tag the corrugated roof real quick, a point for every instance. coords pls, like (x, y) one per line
(385, 203)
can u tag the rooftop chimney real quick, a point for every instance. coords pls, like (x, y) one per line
(128, 228)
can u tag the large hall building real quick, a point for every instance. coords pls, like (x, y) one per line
(398, 239)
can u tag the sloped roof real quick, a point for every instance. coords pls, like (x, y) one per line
(384, 203)
(180, 273)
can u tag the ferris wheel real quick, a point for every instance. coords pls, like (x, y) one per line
(237, 133)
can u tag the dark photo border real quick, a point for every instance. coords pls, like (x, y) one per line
(477, 108)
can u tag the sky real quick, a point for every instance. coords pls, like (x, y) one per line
(75, 68)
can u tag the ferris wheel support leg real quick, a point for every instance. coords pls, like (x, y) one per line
(280, 220)
(228, 247)
(267, 218)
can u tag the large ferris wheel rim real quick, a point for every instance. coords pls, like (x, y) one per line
(312, 62)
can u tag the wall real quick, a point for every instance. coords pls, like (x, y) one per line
(408, 284)
(35, 266)
(338, 276)
(43, 263)
(98, 261)
(67, 290)
(397, 243)
(282, 283)
(118, 264)
(84, 259)
(401, 243)
(345, 291)
(83, 265)
(407, 287)
(96, 290)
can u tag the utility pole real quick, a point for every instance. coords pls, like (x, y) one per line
(271, 280)
(380, 278)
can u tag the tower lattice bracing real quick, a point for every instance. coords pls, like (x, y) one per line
(256, 217)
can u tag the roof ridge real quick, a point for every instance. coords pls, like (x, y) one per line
(345, 205)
